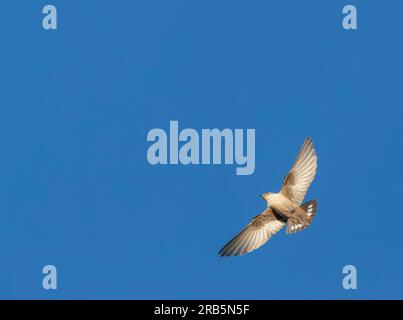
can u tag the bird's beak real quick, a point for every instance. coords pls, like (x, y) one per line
(262, 196)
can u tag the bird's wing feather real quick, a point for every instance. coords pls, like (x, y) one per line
(302, 173)
(254, 235)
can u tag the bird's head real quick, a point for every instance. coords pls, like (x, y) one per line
(266, 196)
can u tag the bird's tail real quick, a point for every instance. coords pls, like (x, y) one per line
(303, 218)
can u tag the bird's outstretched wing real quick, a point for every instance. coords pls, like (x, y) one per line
(302, 173)
(254, 235)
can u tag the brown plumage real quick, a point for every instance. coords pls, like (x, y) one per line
(255, 234)
(283, 208)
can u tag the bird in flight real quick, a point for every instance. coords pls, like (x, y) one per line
(283, 208)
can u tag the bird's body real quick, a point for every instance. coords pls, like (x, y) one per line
(281, 204)
(283, 208)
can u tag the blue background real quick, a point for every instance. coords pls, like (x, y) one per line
(76, 190)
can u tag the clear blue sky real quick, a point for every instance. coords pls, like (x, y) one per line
(76, 190)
